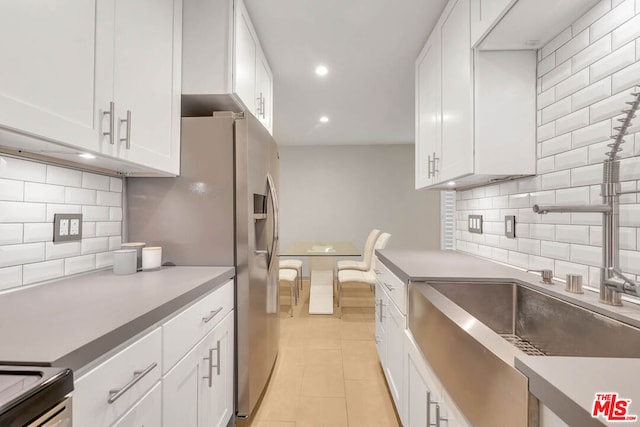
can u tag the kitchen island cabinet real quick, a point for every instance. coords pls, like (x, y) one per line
(98, 77)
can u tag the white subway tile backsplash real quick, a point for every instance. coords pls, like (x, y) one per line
(510, 187)
(526, 185)
(627, 237)
(557, 41)
(594, 93)
(492, 240)
(573, 234)
(601, 8)
(45, 193)
(572, 159)
(563, 268)
(627, 77)
(543, 198)
(546, 132)
(109, 199)
(630, 262)
(10, 234)
(586, 175)
(573, 46)
(21, 254)
(79, 264)
(586, 218)
(609, 107)
(115, 214)
(79, 196)
(519, 259)
(484, 251)
(62, 250)
(555, 110)
(613, 19)
(528, 215)
(492, 191)
(573, 196)
(63, 176)
(547, 98)
(506, 243)
(556, 145)
(554, 180)
(630, 215)
(546, 165)
(500, 202)
(115, 185)
(95, 213)
(596, 132)
(22, 170)
(41, 271)
(523, 230)
(111, 228)
(500, 255)
(571, 85)
(92, 246)
(22, 212)
(519, 200)
(11, 190)
(95, 181)
(573, 121)
(595, 51)
(53, 209)
(38, 232)
(104, 259)
(115, 242)
(617, 60)
(546, 64)
(478, 193)
(542, 231)
(10, 277)
(539, 263)
(556, 75)
(629, 168)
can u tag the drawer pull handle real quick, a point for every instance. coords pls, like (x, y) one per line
(137, 376)
(211, 365)
(212, 315)
(388, 286)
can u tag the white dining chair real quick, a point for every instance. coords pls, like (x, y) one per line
(365, 263)
(293, 264)
(362, 277)
(289, 275)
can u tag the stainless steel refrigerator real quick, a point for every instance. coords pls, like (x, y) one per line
(222, 210)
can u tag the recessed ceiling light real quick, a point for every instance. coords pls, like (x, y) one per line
(451, 183)
(324, 119)
(321, 70)
(87, 156)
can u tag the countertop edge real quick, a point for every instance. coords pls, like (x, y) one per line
(560, 403)
(104, 344)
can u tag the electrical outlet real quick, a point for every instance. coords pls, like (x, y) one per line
(475, 224)
(67, 227)
(510, 226)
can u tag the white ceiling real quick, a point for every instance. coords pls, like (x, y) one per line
(369, 46)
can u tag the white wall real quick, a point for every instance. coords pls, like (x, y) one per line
(30, 194)
(584, 79)
(342, 192)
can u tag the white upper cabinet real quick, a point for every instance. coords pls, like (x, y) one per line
(484, 14)
(65, 66)
(50, 68)
(223, 64)
(469, 130)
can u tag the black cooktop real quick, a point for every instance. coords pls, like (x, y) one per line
(28, 391)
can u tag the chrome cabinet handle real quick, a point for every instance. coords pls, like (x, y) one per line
(212, 315)
(435, 160)
(127, 139)
(388, 286)
(438, 418)
(262, 105)
(429, 166)
(429, 403)
(211, 365)
(110, 113)
(115, 394)
(377, 339)
(261, 252)
(382, 305)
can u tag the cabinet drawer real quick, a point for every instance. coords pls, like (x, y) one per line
(132, 372)
(147, 412)
(395, 287)
(191, 325)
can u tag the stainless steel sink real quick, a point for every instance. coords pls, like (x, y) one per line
(540, 324)
(471, 333)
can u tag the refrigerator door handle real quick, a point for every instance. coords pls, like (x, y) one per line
(276, 237)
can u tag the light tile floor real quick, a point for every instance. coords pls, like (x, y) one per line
(327, 372)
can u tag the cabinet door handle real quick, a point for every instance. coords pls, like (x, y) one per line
(435, 160)
(262, 105)
(388, 286)
(429, 166)
(212, 315)
(438, 418)
(429, 403)
(211, 365)
(110, 113)
(127, 139)
(377, 339)
(115, 394)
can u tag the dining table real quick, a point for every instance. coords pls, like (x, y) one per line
(322, 266)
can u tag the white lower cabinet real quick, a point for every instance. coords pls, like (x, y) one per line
(427, 402)
(198, 391)
(382, 302)
(548, 418)
(146, 413)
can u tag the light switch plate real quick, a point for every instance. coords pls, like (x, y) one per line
(67, 227)
(475, 224)
(510, 226)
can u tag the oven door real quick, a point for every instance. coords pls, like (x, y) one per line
(58, 416)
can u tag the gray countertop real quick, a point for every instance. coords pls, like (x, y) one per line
(567, 385)
(71, 322)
